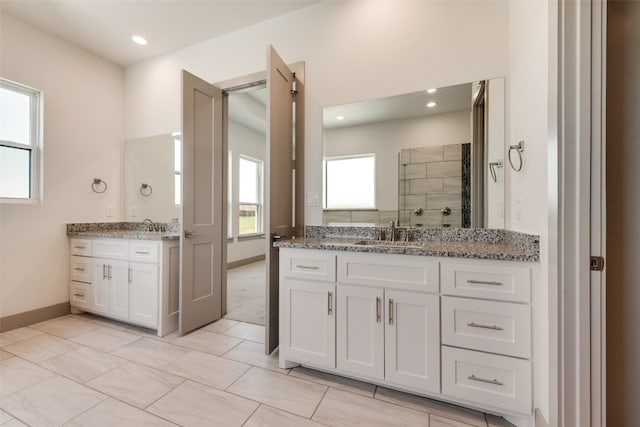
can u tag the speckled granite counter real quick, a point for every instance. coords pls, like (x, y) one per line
(123, 230)
(488, 244)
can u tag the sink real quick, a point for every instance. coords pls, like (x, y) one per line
(388, 243)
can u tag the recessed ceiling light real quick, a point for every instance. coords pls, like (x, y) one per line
(430, 91)
(340, 118)
(139, 40)
(431, 104)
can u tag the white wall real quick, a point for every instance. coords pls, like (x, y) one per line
(83, 134)
(243, 140)
(354, 50)
(526, 191)
(386, 139)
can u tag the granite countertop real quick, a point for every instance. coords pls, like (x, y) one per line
(499, 245)
(123, 230)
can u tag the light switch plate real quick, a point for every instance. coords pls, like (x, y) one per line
(313, 198)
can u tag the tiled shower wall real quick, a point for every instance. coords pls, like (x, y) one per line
(430, 179)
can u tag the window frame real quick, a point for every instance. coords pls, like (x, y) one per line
(36, 112)
(325, 181)
(260, 196)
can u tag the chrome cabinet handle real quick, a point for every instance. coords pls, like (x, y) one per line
(109, 274)
(378, 310)
(485, 282)
(78, 269)
(78, 295)
(391, 312)
(329, 303)
(485, 380)
(130, 275)
(478, 325)
(104, 271)
(308, 267)
(79, 247)
(142, 253)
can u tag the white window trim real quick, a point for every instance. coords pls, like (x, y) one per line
(325, 194)
(37, 116)
(260, 204)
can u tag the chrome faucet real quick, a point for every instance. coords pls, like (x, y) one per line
(150, 222)
(392, 231)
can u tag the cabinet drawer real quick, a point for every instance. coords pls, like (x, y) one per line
(490, 281)
(80, 269)
(141, 251)
(112, 249)
(81, 247)
(485, 379)
(80, 295)
(390, 271)
(496, 327)
(308, 264)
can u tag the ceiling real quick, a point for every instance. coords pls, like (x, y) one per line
(105, 27)
(447, 99)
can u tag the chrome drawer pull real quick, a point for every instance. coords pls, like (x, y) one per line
(391, 312)
(104, 271)
(78, 269)
(485, 282)
(142, 253)
(378, 310)
(477, 325)
(484, 380)
(109, 273)
(308, 267)
(329, 303)
(79, 247)
(78, 295)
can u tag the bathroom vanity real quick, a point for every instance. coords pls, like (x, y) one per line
(125, 274)
(448, 317)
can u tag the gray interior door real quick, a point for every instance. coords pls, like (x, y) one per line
(278, 218)
(203, 218)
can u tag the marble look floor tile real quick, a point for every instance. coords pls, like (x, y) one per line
(192, 404)
(135, 384)
(103, 321)
(66, 326)
(247, 331)
(207, 369)
(112, 413)
(14, 423)
(266, 416)
(105, 339)
(4, 417)
(495, 421)
(253, 354)
(436, 421)
(51, 402)
(434, 407)
(4, 355)
(335, 381)
(220, 325)
(207, 341)
(290, 394)
(40, 348)
(340, 408)
(16, 374)
(151, 352)
(82, 364)
(16, 335)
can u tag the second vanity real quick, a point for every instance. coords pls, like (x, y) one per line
(450, 319)
(130, 275)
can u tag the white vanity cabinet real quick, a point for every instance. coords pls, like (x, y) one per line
(134, 281)
(454, 329)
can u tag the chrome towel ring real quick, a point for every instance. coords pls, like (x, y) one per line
(519, 148)
(145, 189)
(97, 185)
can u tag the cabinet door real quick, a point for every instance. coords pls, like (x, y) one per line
(143, 292)
(308, 322)
(412, 340)
(118, 275)
(360, 330)
(100, 295)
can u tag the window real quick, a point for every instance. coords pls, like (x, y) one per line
(249, 196)
(20, 142)
(349, 182)
(177, 169)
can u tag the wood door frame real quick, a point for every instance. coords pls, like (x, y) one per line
(577, 45)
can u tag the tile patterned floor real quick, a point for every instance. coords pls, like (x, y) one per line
(82, 370)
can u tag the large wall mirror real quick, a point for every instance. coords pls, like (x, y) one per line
(432, 158)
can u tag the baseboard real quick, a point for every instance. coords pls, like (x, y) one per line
(19, 320)
(540, 420)
(241, 262)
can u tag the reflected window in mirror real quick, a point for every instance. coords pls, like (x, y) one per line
(349, 182)
(250, 185)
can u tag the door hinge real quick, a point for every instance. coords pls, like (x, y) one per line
(597, 263)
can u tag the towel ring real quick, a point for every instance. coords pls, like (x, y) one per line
(146, 190)
(519, 148)
(97, 182)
